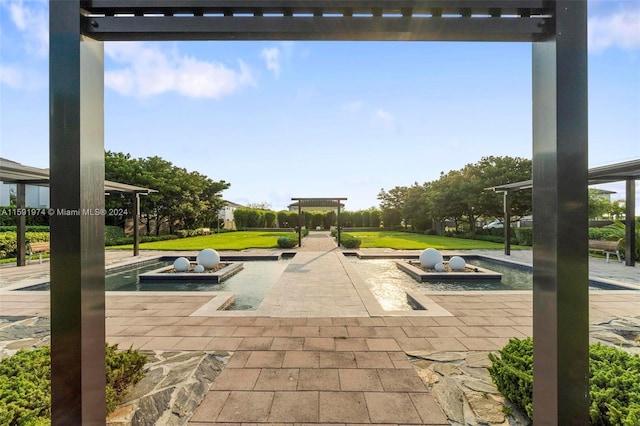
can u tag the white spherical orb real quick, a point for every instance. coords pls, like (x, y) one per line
(199, 269)
(318, 228)
(181, 264)
(457, 263)
(208, 258)
(429, 258)
(439, 267)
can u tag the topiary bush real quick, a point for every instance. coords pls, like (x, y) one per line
(614, 381)
(25, 383)
(349, 241)
(287, 242)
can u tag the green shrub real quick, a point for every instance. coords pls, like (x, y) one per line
(614, 386)
(614, 381)
(512, 373)
(598, 233)
(30, 228)
(143, 239)
(112, 234)
(38, 219)
(123, 369)
(617, 231)
(349, 241)
(25, 383)
(287, 242)
(9, 244)
(524, 236)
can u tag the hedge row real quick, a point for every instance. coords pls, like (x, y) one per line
(30, 228)
(614, 381)
(349, 241)
(25, 383)
(9, 243)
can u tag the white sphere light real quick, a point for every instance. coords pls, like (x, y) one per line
(457, 263)
(181, 264)
(429, 258)
(199, 269)
(208, 258)
(439, 267)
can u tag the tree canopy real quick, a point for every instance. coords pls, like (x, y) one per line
(185, 200)
(459, 195)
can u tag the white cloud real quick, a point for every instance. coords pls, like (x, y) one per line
(149, 71)
(272, 57)
(11, 76)
(32, 20)
(353, 107)
(385, 118)
(17, 77)
(621, 30)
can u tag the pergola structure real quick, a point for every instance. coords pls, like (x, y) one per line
(21, 175)
(317, 204)
(628, 171)
(557, 31)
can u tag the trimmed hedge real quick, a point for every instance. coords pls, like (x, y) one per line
(524, 236)
(349, 241)
(30, 228)
(287, 242)
(25, 383)
(614, 381)
(9, 243)
(112, 234)
(143, 239)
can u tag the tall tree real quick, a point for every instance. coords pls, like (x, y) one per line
(391, 204)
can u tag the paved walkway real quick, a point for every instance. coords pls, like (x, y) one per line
(319, 350)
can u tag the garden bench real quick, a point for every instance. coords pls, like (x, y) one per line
(38, 248)
(606, 247)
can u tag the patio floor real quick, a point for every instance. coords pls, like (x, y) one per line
(319, 349)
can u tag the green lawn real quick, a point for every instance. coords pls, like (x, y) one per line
(409, 241)
(226, 241)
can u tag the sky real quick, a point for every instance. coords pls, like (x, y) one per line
(321, 119)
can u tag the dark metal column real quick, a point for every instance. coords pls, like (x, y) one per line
(560, 214)
(76, 73)
(21, 225)
(339, 230)
(630, 229)
(299, 223)
(136, 224)
(507, 223)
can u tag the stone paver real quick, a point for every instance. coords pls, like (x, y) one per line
(319, 350)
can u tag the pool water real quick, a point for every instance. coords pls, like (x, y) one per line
(249, 286)
(389, 284)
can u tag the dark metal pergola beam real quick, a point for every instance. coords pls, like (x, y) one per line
(440, 20)
(558, 30)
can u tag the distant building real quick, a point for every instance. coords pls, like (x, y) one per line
(226, 214)
(35, 196)
(602, 193)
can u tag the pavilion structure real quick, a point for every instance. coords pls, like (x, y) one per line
(317, 204)
(21, 175)
(627, 171)
(557, 33)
